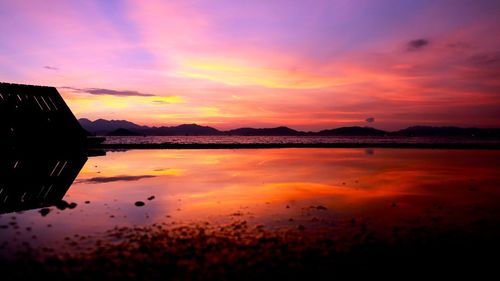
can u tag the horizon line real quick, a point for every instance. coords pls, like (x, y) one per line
(303, 131)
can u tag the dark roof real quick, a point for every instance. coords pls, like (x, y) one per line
(36, 118)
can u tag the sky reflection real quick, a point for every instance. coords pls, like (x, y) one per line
(277, 188)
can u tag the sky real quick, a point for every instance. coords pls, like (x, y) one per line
(306, 64)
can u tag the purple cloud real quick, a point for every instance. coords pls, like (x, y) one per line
(100, 91)
(51, 67)
(417, 44)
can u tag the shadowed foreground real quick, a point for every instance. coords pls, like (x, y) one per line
(240, 251)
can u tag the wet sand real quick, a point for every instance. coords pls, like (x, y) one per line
(240, 251)
(284, 214)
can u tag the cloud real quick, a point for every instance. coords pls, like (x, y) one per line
(51, 67)
(485, 59)
(482, 71)
(459, 46)
(370, 119)
(161, 102)
(100, 91)
(116, 178)
(417, 44)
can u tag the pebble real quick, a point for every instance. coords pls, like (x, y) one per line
(44, 211)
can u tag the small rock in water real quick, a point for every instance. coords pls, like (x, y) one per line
(62, 205)
(87, 202)
(394, 205)
(321, 207)
(301, 227)
(72, 205)
(139, 203)
(151, 197)
(44, 211)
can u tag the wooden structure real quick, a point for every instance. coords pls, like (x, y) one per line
(36, 118)
(42, 147)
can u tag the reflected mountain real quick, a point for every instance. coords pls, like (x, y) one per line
(35, 182)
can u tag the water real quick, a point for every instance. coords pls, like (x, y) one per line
(292, 139)
(318, 189)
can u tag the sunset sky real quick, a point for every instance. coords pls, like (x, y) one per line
(306, 64)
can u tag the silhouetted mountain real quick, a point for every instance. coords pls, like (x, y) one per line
(123, 132)
(181, 130)
(126, 128)
(103, 127)
(278, 131)
(353, 131)
(115, 127)
(428, 131)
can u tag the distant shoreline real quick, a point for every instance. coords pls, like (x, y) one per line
(126, 128)
(482, 146)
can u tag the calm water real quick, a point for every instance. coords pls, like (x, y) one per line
(291, 139)
(318, 189)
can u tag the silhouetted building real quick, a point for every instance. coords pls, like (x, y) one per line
(42, 147)
(37, 118)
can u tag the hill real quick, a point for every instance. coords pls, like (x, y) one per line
(127, 128)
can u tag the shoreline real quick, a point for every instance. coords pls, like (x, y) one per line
(481, 146)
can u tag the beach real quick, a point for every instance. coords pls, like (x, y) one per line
(293, 213)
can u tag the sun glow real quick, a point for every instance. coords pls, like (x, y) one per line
(236, 73)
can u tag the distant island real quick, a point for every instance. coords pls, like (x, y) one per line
(104, 127)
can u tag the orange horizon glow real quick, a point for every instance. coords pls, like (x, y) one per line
(220, 185)
(226, 64)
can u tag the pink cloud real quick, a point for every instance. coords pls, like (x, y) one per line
(308, 66)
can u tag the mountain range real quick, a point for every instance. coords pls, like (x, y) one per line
(104, 127)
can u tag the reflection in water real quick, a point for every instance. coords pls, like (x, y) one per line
(308, 189)
(28, 182)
